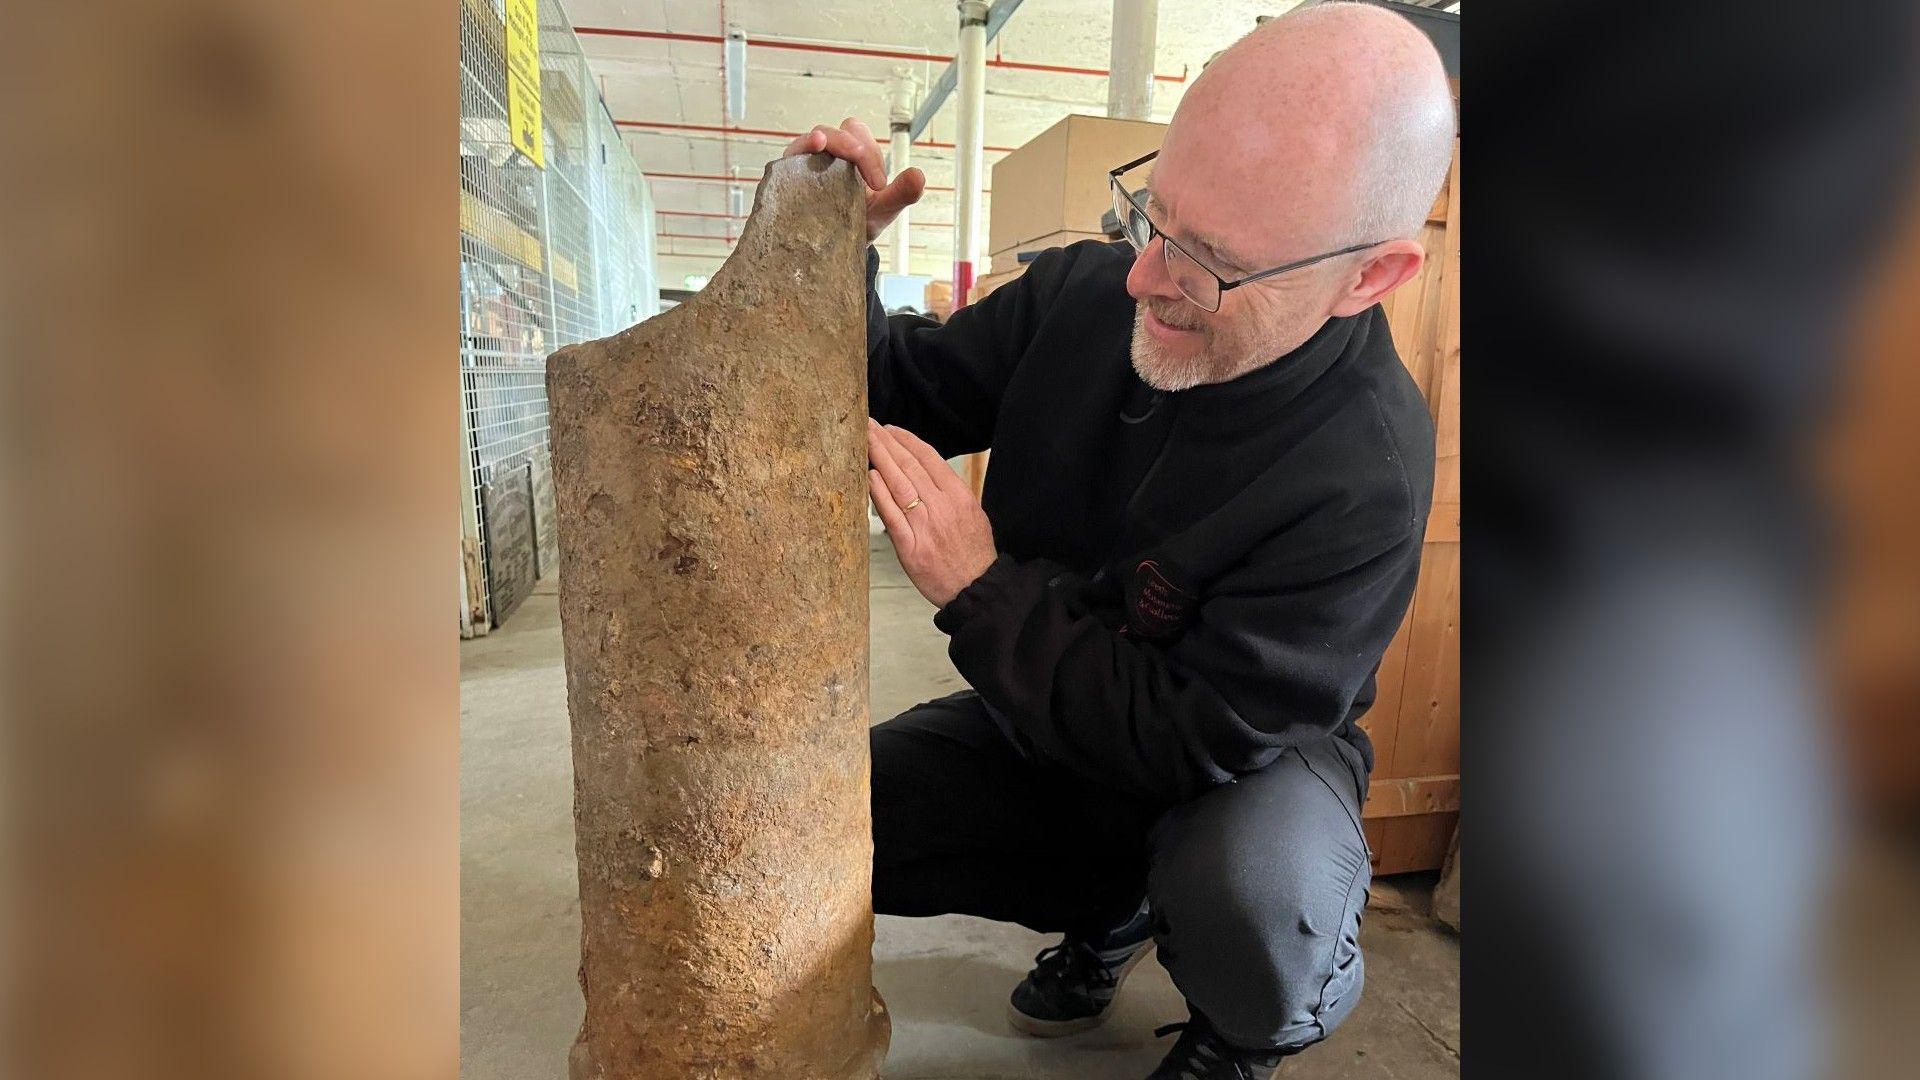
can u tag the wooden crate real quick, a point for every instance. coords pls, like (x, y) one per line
(1414, 803)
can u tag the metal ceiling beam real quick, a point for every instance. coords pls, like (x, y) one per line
(942, 87)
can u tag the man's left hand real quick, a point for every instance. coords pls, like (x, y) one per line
(942, 536)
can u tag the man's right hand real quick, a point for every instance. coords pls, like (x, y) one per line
(853, 141)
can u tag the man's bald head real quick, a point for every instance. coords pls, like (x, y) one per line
(1325, 129)
(1337, 117)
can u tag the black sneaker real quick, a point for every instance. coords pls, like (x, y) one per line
(1072, 984)
(1201, 1054)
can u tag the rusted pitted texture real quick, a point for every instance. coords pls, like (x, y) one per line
(710, 467)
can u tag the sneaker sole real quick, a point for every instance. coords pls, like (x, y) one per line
(1053, 1029)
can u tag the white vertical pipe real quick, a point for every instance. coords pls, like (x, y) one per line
(735, 59)
(1136, 27)
(900, 151)
(968, 142)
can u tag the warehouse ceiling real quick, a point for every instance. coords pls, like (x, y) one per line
(651, 83)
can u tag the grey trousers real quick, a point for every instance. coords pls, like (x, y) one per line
(1256, 887)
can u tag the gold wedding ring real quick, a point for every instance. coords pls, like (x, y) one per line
(911, 505)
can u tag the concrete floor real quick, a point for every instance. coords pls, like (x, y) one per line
(945, 980)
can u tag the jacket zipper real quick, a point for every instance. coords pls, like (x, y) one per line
(1126, 514)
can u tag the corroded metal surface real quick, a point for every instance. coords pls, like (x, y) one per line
(710, 471)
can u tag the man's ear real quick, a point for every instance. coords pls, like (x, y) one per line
(1388, 267)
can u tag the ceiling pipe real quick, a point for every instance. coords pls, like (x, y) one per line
(969, 133)
(718, 239)
(743, 217)
(1136, 27)
(726, 99)
(767, 133)
(942, 87)
(997, 17)
(734, 69)
(899, 123)
(711, 178)
(759, 42)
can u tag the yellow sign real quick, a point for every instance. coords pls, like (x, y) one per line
(523, 40)
(523, 116)
(523, 78)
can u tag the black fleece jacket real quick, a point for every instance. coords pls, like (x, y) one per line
(1188, 583)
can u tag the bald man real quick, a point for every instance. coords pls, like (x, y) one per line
(1211, 476)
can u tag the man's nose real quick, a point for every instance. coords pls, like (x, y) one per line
(1148, 276)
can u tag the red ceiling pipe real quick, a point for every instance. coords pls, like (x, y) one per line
(743, 217)
(706, 177)
(727, 129)
(729, 240)
(701, 176)
(650, 35)
(853, 50)
(1061, 69)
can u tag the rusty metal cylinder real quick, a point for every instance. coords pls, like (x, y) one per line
(710, 477)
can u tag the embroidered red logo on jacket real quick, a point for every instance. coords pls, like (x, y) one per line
(1157, 607)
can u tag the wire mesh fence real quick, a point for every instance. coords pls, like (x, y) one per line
(548, 257)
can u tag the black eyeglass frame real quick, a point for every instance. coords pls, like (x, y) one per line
(1113, 181)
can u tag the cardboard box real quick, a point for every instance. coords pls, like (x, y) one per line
(1058, 180)
(991, 282)
(940, 299)
(1010, 258)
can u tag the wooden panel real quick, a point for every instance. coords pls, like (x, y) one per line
(1443, 520)
(1413, 311)
(1415, 725)
(1393, 699)
(1406, 796)
(1428, 742)
(1446, 479)
(1382, 721)
(1446, 419)
(507, 503)
(1446, 391)
(1404, 844)
(1402, 308)
(1402, 305)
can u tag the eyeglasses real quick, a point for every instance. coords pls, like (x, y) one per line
(1192, 277)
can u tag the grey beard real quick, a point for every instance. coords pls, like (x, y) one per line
(1159, 371)
(1164, 373)
(1182, 376)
